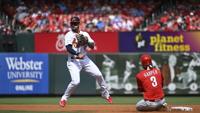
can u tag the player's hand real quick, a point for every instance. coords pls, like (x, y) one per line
(91, 45)
(80, 56)
(81, 40)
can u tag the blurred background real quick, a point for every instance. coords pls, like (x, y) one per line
(33, 56)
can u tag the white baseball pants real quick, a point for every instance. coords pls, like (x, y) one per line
(143, 105)
(75, 66)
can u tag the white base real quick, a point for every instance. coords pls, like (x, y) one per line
(181, 108)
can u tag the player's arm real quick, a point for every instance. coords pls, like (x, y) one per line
(68, 45)
(139, 84)
(162, 79)
(90, 43)
(71, 50)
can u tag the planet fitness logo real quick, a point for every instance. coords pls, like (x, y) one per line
(140, 41)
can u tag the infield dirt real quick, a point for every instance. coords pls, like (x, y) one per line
(85, 108)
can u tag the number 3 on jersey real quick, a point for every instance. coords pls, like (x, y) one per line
(153, 81)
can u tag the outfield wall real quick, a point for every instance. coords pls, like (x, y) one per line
(36, 63)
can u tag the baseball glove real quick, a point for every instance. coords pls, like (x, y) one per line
(81, 40)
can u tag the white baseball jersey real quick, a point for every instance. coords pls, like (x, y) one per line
(70, 38)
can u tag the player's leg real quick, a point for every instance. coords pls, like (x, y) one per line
(126, 76)
(143, 105)
(172, 73)
(94, 71)
(163, 105)
(75, 80)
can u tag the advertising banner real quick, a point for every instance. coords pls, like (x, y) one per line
(55, 43)
(105, 42)
(49, 43)
(159, 41)
(23, 73)
(180, 70)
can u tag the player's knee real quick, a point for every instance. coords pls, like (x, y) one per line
(99, 76)
(98, 73)
(142, 108)
(75, 83)
(139, 108)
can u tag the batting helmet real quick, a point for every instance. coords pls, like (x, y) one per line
(145, 60)
(75, 21)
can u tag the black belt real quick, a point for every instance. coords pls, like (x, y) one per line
(73, 58)
(76, 58)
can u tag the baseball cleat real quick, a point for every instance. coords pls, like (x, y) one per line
(109, 100)
(62, 103)
(165, 107)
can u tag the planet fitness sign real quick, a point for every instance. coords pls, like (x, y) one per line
(159, 42)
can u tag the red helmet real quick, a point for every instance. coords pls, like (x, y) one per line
(145, 59)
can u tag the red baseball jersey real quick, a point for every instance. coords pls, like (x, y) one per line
(150, 82)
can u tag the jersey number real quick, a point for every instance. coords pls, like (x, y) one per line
(153, 81)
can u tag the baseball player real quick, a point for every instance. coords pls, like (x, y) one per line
(76, 43)
(172, 63)
(128, 70)
(112, 80)
(150, 82)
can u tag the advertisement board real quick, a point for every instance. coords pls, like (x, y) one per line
(23, 73)
(159, 41)
(55, 42)
(180, 70)
(105, 42)
(49, 43)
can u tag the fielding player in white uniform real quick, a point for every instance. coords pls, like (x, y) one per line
(78, 60)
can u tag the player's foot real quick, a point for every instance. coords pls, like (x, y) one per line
(164, 107)
(62, 103)
(109, 100)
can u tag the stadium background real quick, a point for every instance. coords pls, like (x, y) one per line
(33, 57)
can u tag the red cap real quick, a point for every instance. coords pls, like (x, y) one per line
(145, 59)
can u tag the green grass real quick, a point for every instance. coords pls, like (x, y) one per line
(92, 100)
(86, 101)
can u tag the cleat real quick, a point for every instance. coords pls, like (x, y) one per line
(109, 100)
(165, 107)
(62, 103)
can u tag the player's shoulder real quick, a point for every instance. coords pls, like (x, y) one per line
(84, 33)
(158, 70)
(69, 34)
(140, 74)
